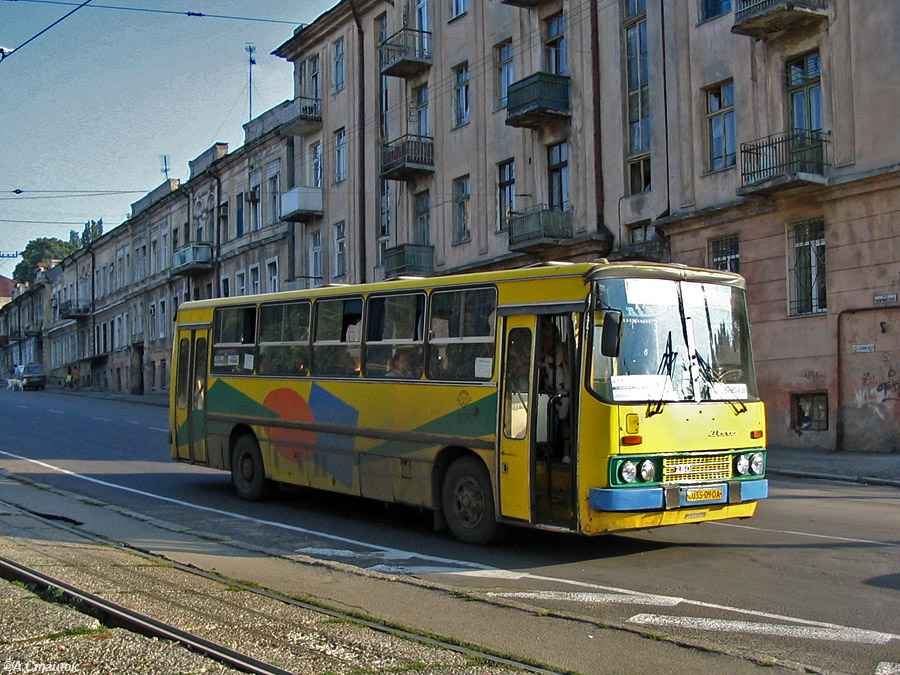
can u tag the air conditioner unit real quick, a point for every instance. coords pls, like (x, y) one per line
(223, 210)
(253, 195)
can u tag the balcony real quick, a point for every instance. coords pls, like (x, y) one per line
(527, 4)
(302, 116)
(406, 54)
(783, 161)
(74, 309)
(300, 203)
(414, 260)
(192, 259)
(539, 227)
(407, 158)
(765, 19)
(537, 100)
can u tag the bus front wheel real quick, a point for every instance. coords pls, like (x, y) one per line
(468, 502)
(248, 475)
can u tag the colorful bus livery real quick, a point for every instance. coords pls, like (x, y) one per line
(590, 397)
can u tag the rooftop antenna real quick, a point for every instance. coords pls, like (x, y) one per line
(250, 48)
(165, 166)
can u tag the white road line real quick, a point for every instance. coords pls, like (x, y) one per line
(389, 552)
(885, 668)
(808, 534)
(780, 630)
(598, 598)
(103, 419)
(475, 569)
(58, 412)
(159, 429)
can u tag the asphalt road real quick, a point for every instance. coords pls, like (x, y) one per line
(813, 579)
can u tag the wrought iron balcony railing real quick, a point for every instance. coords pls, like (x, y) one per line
(409, 260)
(407, 157)
(538, 99)
(191, 259)
(784, 159)
(406, 53)
(767, 18)
(538, 227)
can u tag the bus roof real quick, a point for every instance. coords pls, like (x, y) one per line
(589, 271)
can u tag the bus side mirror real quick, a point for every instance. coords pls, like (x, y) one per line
(611, 337)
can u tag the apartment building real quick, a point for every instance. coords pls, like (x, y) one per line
(752, 135)
(440, 136)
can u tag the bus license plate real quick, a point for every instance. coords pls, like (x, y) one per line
(706, 494)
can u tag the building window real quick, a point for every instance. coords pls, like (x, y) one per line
(461, 195)
(162, 318)
(315, 168)
(272, 275)
(503, 53)
(384, 223)
(558, 170)
(720, 126)
(238, 218)
(254, 279)
(340, 155)
(555, 45)
(804, 81)
(638, 98)
(253, 198)
(809, 412)
(225, 287)
(461, 110)
(713, 8)
(458, 8)
(422, 222)
(507, 188)
(724, 254)
(339, 73)
(806, 248)
(315, 258)
(340, 250)
(274, 199)
(420, 112)
(240, 283)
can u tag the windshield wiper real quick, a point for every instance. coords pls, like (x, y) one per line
(666, 368)
(707, 374)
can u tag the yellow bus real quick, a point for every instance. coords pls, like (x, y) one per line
(582, 397)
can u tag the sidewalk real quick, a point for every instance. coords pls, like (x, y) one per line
(873, 468)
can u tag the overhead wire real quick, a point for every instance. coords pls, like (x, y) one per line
(5, 54)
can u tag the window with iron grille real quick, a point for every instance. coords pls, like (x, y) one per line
(809, 412)
(806, 251)
(724, 254)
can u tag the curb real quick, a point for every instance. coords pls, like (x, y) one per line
(867, 480)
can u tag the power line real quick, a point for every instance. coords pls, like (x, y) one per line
(166, 11)
(4, 54)
(43, 222)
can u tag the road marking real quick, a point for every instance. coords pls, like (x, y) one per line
(885, 668)
(808, 534)
(841, 634)
(58, 412)
(474, 569)
(597, 598)
(159, 429)
(103, 419)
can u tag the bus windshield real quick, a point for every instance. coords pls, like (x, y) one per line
(680, 341)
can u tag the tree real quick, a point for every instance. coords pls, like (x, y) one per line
(37, 251)
(92, 230)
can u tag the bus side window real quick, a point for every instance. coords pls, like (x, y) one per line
(461, 334)
(284, 339)
(234, 341)
(394, 336)
(336, 348)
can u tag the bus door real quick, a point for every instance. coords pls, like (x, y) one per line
(190, 394)
(517, 413)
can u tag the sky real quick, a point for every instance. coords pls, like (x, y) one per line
(93, 104)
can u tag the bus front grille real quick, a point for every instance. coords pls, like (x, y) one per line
(677, 469)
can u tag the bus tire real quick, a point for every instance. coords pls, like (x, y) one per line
(468, 502)
(248, 474)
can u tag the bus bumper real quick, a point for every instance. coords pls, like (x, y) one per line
(674, 497)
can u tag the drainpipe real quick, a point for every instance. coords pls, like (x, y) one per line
(361, 131)
(839, 424)
(598, 142)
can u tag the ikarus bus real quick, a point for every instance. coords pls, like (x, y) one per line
(589, 397)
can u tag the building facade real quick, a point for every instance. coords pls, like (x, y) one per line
(441, 136)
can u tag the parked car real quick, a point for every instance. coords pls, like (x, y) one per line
(32, 376)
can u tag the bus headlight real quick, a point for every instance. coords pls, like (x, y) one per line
(741, 465)
(627, 472)
(756, 463)
(648, 470)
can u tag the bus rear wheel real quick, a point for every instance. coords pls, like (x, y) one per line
(248, 474)
(468, 502)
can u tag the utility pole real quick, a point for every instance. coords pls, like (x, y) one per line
(250, 48)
